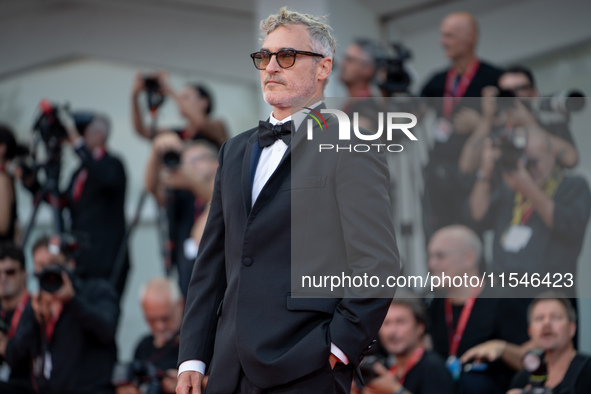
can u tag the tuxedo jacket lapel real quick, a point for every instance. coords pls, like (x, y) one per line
(252, 153)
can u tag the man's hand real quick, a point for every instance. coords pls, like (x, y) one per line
(332, 360)
(385, 383)
(138, 84)
(66, 292)
(466, 120)
(490, 155)
(489, 102)
(127, 389)
(519, 115)
(189, 382)
(519, 180)
(41, 304)
(69, 124)
(488, 351)
(165, 142)
(3, 343)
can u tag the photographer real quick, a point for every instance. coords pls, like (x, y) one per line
(539, 214)
(95, 199)
(518, 82)
(68, 331)
(163, 306)
(194, 104)
(552, 326)
(181, 176)
(14, 379)
(416, 370)
(468, 316)
(8, 212)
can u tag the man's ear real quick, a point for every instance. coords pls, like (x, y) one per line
(572, 329)
(324, 68)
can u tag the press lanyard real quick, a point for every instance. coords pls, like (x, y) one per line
(452, 93)
(455, 336)
(412, 361)
(18, 313)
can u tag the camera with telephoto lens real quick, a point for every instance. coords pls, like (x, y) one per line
(48, 125)
(50, 278)
(139, 373)
(533, 362)
(171, 159)
(563, 102)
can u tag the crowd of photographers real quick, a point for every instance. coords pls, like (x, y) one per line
(500, 160)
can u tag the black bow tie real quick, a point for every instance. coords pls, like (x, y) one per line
(269, 133)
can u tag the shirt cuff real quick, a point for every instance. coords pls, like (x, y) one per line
(192, 365)
(338, 353)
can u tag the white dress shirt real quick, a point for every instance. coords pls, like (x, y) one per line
(268, 162)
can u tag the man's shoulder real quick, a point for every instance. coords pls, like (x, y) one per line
(239, 140)
(575, 181)
(488, 67)
(95, 288)
(435, 85)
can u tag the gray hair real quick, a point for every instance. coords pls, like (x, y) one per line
(321, 40)
(105, 124)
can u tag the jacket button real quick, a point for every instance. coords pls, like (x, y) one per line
(247, 261)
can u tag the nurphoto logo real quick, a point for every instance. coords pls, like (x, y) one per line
(393, 128)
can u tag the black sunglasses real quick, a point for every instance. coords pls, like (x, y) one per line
(285, 58)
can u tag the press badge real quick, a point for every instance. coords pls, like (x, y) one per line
(516, 238)
(443, 130)
(4, 372)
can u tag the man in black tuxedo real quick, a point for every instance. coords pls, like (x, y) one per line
(277, 202)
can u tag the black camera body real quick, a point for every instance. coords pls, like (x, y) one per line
(141, 373)
(366, 368)
(154, 93)
(512, 144)
(396, 80)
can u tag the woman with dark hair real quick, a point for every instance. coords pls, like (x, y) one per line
(9, 149)
(194, 103)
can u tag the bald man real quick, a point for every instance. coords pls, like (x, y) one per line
(457, 117)
(163, 305)
(456, 251)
